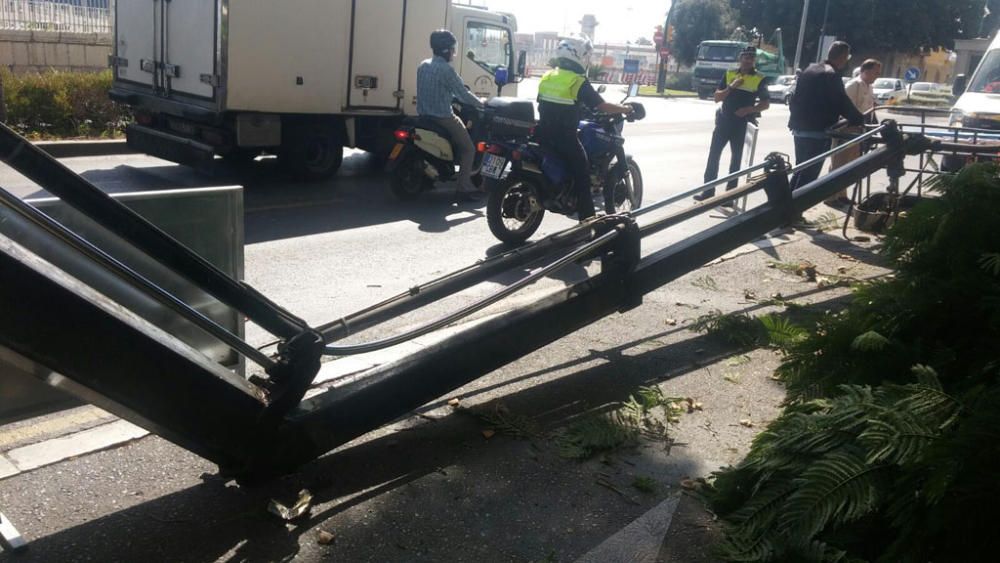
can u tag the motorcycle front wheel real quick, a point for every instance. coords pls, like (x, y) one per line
(626, 193)
(513, 211)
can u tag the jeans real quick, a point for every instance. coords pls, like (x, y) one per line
(461, 143)
(567, 146)
(805, 149)
(727, 131)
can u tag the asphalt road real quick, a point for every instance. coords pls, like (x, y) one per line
(324, 250)
(429, 488)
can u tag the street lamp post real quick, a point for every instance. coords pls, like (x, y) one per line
(802, 33)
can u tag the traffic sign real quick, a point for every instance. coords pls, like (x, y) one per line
(658, 38)
(912, 74)
(631, 66)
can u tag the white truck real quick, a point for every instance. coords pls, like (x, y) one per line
(297, 78)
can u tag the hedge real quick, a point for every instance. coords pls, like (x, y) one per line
(59, 104)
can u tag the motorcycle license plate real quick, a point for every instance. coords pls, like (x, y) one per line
(493, 166)
(395, 151)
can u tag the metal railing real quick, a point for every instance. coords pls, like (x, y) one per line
(83, 16)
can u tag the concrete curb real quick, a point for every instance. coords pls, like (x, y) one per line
(73, 149)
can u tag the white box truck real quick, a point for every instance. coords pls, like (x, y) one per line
(297, 78)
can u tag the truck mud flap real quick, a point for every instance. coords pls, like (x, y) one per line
(170, 147)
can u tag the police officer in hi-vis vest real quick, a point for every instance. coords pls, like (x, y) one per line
(743, 93)
(560, 94)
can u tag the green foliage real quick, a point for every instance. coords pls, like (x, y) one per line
(644, 484)
(870, 26)
(736, 329)
(62, 104)
(620, 427)
(695, 21)
(888, 444)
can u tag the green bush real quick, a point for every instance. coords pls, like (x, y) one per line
(679, 81)
(63, 104)
(887, 448)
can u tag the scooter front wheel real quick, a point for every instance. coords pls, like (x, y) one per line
(513, 211)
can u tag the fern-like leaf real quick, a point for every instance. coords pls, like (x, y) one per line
(781, 333)
(991, 263)
(870, 341)
(841, 486)
(896, 439)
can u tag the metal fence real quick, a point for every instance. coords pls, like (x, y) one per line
(74, 16)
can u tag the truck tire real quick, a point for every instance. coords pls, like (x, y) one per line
(312, 152)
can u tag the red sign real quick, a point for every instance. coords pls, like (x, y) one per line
(664, 52)
(658, 38)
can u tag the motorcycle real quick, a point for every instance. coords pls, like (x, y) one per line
(423, 154)
(524, 179)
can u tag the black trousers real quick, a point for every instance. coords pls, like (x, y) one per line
(567, 146)
(727, 131)
(806, 148)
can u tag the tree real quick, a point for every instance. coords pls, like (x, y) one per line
(695, 21)
(870, 25)
(643, 41)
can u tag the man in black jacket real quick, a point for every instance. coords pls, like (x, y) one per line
(818, 103)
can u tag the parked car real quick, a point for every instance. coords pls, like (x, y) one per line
(888, 91)
(778, 91)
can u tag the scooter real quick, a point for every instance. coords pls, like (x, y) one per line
(423, 156)
(524, 179)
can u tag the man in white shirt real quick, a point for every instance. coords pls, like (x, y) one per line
(859, 90)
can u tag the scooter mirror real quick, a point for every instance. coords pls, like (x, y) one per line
(633, 90)
(602, 89)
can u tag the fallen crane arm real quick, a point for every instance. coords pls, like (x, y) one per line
(146, 376)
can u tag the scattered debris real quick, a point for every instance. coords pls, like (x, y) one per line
(672, 322)
(706, 282)
(689, 484)
(454, 403)
(489, 433)
(325, 538)
(731, 377)
(608, 485)
(300, 507)
(746, 422)
(862, 239)
(749, 295)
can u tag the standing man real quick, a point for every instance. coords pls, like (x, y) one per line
(859, 90)
(819, 102)
(437, 85)
(562, 92)
(743, 93)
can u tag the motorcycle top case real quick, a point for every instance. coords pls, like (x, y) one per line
(512, 117)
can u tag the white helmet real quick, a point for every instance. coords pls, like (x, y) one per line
(576, 49)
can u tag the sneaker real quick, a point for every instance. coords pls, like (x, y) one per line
(704, 195)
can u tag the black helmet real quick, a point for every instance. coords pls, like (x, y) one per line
(442, 40)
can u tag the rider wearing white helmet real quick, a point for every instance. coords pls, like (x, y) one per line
(560, 94)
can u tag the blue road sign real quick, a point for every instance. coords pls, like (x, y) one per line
(912, 74)
(631, 66)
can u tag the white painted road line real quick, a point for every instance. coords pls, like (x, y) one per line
(640, 541)
(7, 468)
(52, 451)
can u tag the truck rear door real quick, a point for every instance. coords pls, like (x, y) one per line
(376, 50)
(190, 45)
(136, 31)
(168, 46)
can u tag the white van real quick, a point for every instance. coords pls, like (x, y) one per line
(978, 104)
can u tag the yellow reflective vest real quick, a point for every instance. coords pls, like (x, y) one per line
(750, 81)
(560, 86)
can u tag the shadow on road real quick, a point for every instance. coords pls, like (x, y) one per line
(513, 499)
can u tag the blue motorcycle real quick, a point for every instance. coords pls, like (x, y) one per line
(524, 179)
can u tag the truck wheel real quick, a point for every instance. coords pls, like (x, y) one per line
(312, 153)
(702, 95)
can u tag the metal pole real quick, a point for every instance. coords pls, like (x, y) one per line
(802, 33)
(822, 32)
